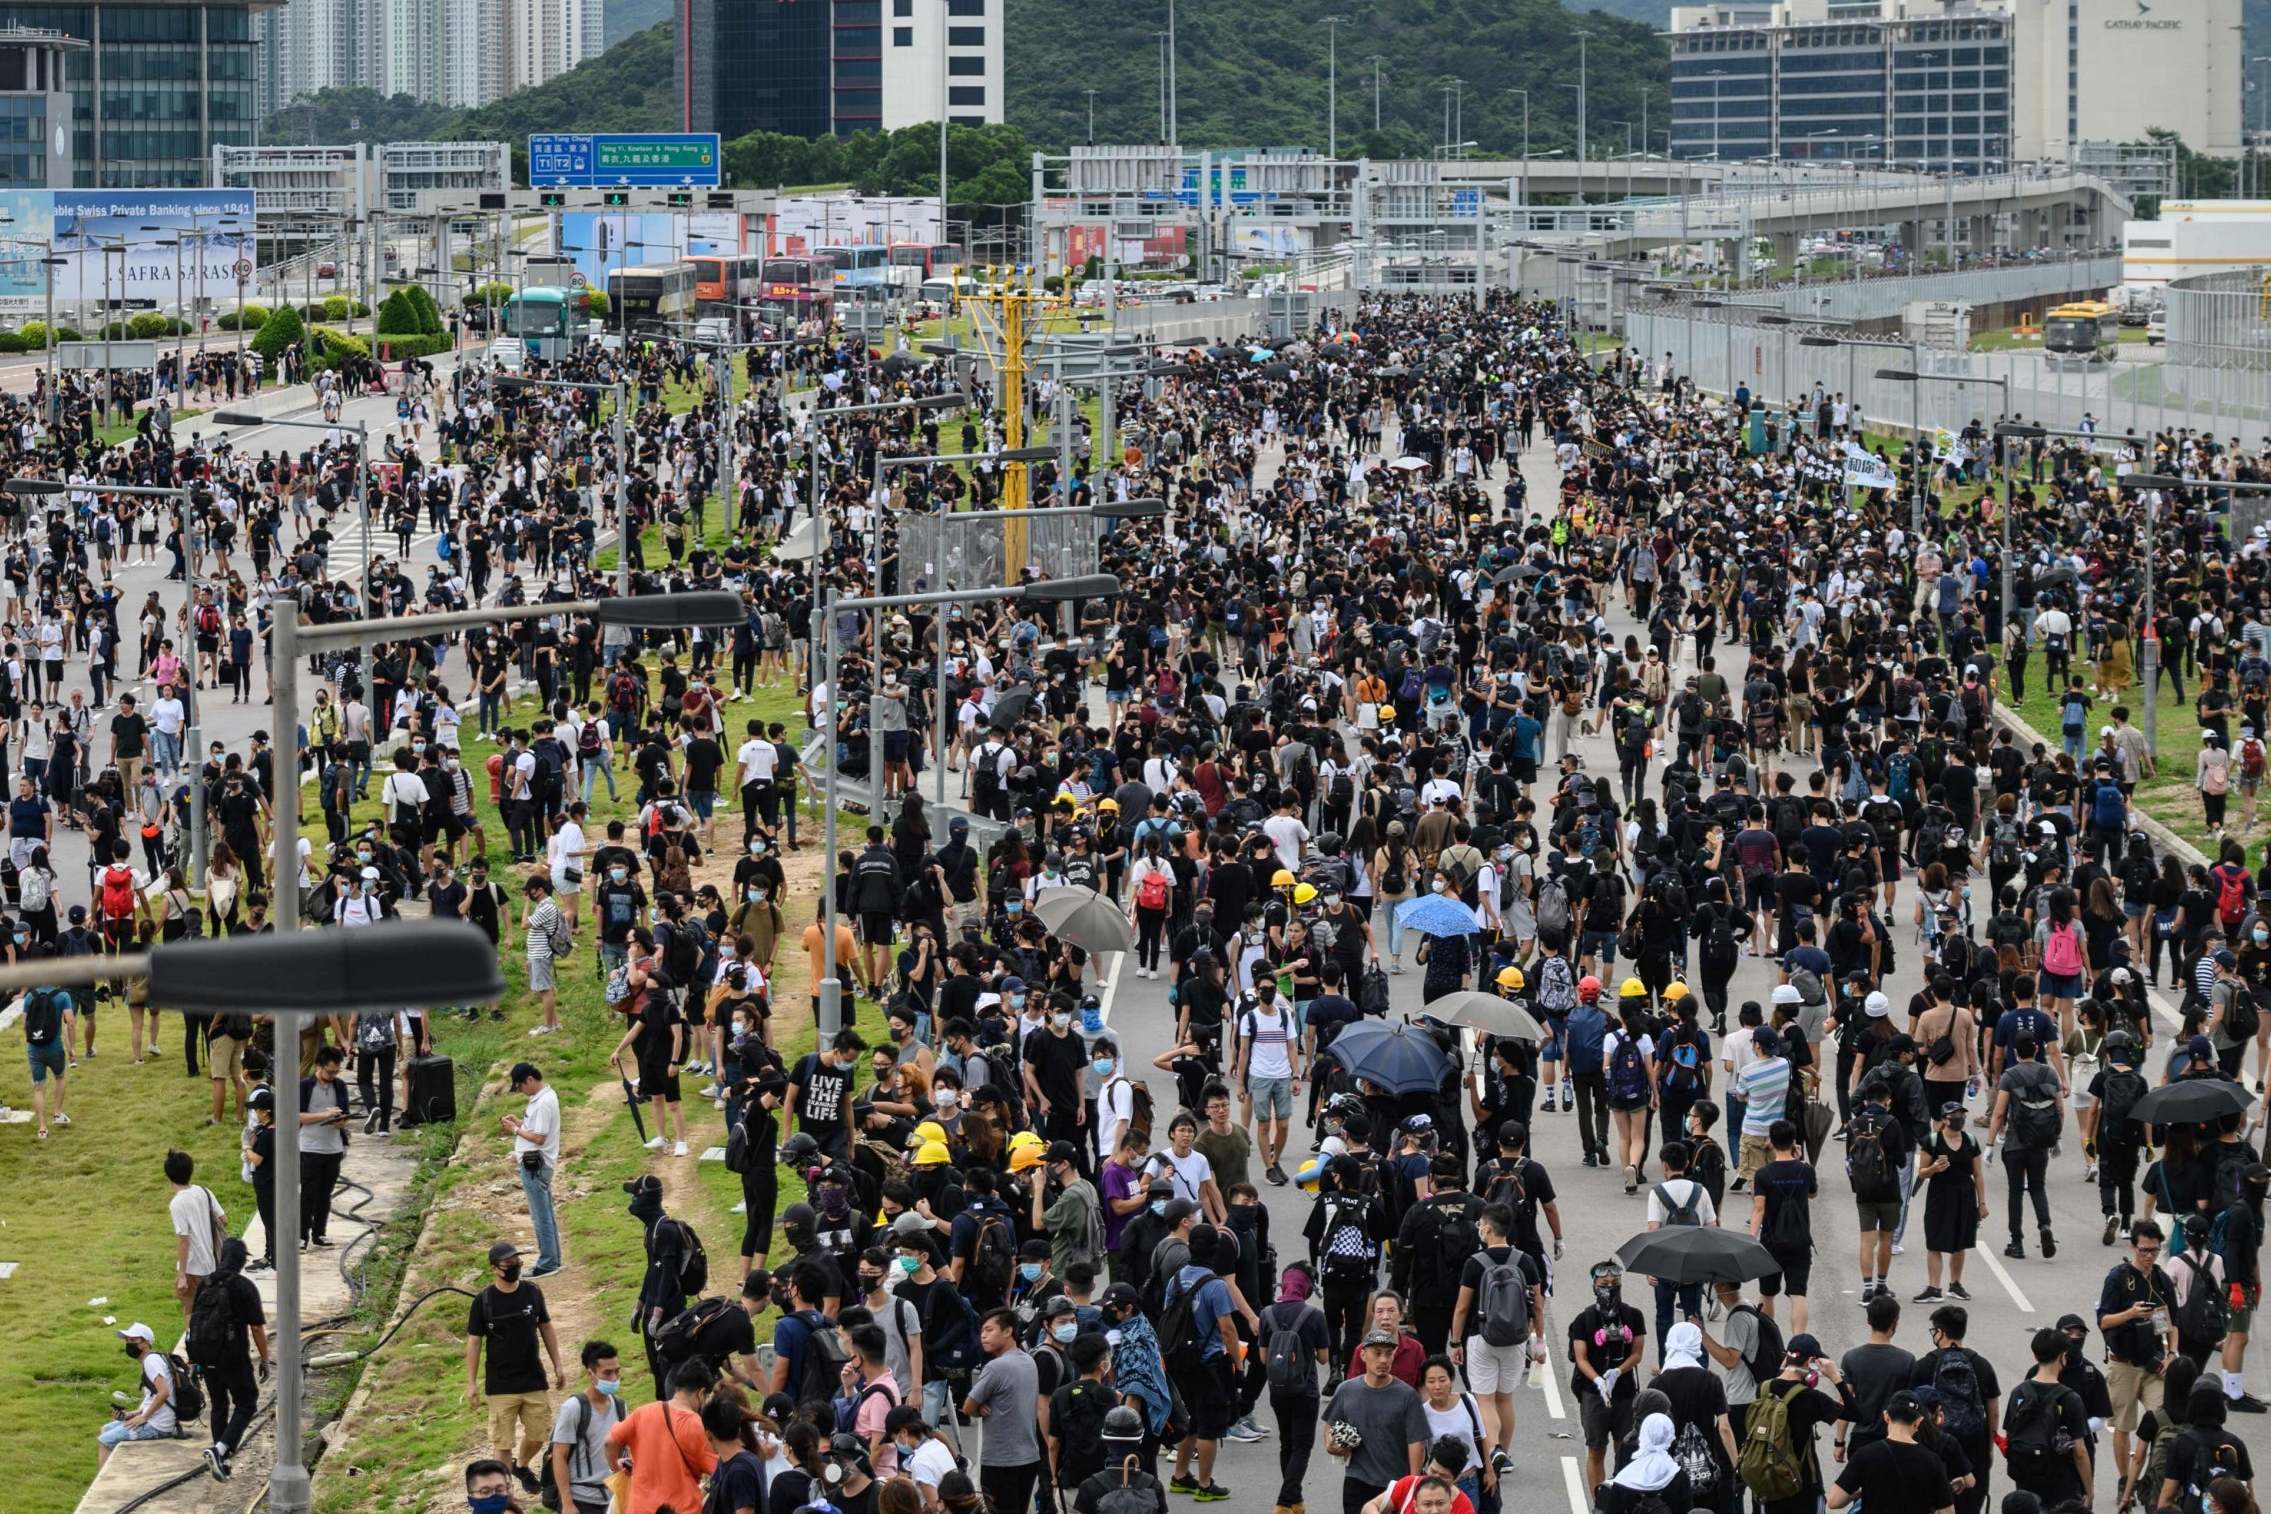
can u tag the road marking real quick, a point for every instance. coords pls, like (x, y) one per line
(1987, 1255)
(1111, 989)
(1574, 1481)
(1543, 1372)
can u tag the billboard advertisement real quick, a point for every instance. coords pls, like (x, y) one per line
(605, 239)
(130, 223)
(802, 222)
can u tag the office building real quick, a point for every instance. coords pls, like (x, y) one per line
(35, 107)
(808, 68)
(447, 52)
(349, 181)
(1969, 86)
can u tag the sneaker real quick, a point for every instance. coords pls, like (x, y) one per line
(370, 1122)
(1215, 1492)
(1959, 1291)
(1631, 1180)
(1395, 966)
(2049, 1244)
(1276, 1175)
(1738, 1185)
(2112, 1229)
(1929, 1295)
(1898, 1250)
(709, 1091)
(2016, 1251)
(1248, 1422)
(525, 1478)
(2246, 1403)
(542, 1272)
(62, 1119)
(217, 1464)
(1185, 1483)
(679, 1149)
(654, 1143)
(1500, 1462)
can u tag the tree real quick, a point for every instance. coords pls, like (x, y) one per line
(397, 315)
(282, 328)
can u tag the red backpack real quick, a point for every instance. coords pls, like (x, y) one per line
(1151, 893)
(118, 892)
(2231, 894)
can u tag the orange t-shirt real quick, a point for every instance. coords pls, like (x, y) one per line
(670, 1455)
(815, 950)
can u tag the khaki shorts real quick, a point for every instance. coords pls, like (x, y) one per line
(1757, 1151)
(224, 1056)
(531, 1412)
(2131, 1388)
(1496, 1369)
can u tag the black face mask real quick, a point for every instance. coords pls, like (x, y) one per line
(646, 1207)
(510, 1272)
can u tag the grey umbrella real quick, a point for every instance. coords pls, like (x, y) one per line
(1487, 1013)
(1085, 918)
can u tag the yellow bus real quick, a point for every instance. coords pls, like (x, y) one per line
(2088, 330)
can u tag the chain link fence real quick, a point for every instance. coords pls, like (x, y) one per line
(957, 552)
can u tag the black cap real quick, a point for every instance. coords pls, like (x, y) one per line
(1514, 1133)
(644, 1184)
(522, 1072)
(1063, 1151)
(502, 1251)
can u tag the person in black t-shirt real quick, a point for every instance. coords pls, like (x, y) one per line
(509, 1316)
(1605, 1339)
(820, 1093)
(738, 1484)
(1896, 1474)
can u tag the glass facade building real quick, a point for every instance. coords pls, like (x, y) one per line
(153, 90)
(809, 68)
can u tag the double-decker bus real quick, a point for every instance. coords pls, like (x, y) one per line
(794, 291)
(549, 322)
(945, 259)
(2087, 331)
(724, 279)
(657, 294)
(915, 255)
(856, 267)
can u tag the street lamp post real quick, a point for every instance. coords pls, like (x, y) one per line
(1332, 88)
(1916, 512)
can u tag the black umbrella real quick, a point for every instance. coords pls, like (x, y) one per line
(638, 1120)
(1011, 708)
(1697, 1254)
(2190, 1101)
(1277, 370)
(898, 363)
(1400, 1058)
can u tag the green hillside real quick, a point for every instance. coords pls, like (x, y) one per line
(1253, 73)
(627, 18)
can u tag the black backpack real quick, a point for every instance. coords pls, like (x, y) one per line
(188, 1396)
(213, 1326)
(1867, 1162)
(1183, 1350)
(1456, 1237)
(824, 1358)
(675, 1341)
(2037, 1441)
(694, 1270)
(2242, 1017)
(993, 1261)
(2124, 1086)
(1765, 1359)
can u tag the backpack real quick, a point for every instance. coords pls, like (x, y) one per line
(674, 1341)
(1770, 1465)
(548, 1487)
(2062, 949)
(1867, 1163)
(2251, 759)
(824, 1358)
(1766, 1357)
(1124, 1497)
(2032, 1432)
(2231, 895)
(1553, 908)
(1396, 877)
(1956, 1380)
(1809, 986)
(952, 1343)
(587, 745)
(1504, 1300)
(2206, 1314)
(1685, 1074)
(694, 1271)
(35, 895)
(2124, 1086)
(1557, 986)
(1372, 991)
(1689, 1212)
(681, 955)
(1151, 893)
(213, 1324)
(551, 766)
(1456, 1238)
(2038, 1118)
(1628, 1072)
(1181, 1349)
(993, 1261)
(2108, 811)
(1588, 1029)
(118, 892)
(1691, 1448)
(2241, 1016)
(1292, 1365)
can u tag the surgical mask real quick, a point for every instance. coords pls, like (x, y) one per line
(1061, 1022)
(910, 1265)
(1158, 1206)
(2261, 933)
(756, 895)
(1066, 1331)
(618, 874)
(363, 852)
(1017, 1001)
(756, 848)
(1103, 1066)
(946, 1099)
(489, 1503)
(1332, 901)
(1014, 907)
(740, 1027)
(609, 1386)
(1030, 1271)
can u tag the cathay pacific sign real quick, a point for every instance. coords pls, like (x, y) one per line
(2144, 20)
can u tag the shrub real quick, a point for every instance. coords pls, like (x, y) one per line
(282, 328)
(13, 341)
(398, 315)
(34, 334)
(599, 304)
(429, 313)
(69, 334)
(148, 324)
(328, 348)
(253, 316)
(335, 308)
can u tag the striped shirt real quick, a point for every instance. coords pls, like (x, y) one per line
(1766, 1086)
(542, 920)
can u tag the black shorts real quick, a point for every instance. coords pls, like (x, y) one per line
(876, 930)
(657, 1082)
(1797, 1271)
(1207, 1395)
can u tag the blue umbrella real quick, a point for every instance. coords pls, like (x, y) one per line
(1437, 915)
(1398, 1057)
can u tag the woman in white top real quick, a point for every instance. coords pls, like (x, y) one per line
(1455, 1414)
(564, 855)
(2212, 776)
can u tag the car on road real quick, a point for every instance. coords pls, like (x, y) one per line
(2156, 331)
(327, 270)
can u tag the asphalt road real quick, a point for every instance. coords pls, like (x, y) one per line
(2011, 1299)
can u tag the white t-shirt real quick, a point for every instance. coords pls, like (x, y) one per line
(540, 1126)
(1189, 1174)
(759, 759)
(192, 1210)
(928, 1463)
(1269, 1034)
(167, 715)
(1115, 1106)
(154, 1372)
(1288, 835)
(1678, 1188)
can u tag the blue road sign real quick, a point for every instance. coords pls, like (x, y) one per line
(656, 160)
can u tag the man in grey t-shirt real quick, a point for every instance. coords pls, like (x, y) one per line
(1006, 1395)
(1389, 1422)
(580, 1464)
(2030, 1103)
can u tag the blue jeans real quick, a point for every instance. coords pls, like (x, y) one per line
(536, 1186)
(166, 750)
(599, 766)
(118, 1432)
(492, 708)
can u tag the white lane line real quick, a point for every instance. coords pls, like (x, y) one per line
(1543, 1371)
(1574, 1480)
(1987, 1255)
(1111, 989)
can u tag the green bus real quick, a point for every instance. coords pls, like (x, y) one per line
(549, 322)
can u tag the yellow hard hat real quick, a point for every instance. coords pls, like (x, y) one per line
(1023, 1139)
(928, 1130)
(1510, 976)
(1308, 1174)
(1304, 893)
(1024, 1158)
(1674, 992)
(1387, 712)
(931, 1154)
(1109, 806)
(1282, 878)
(1632, 988)
(1068, 800)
